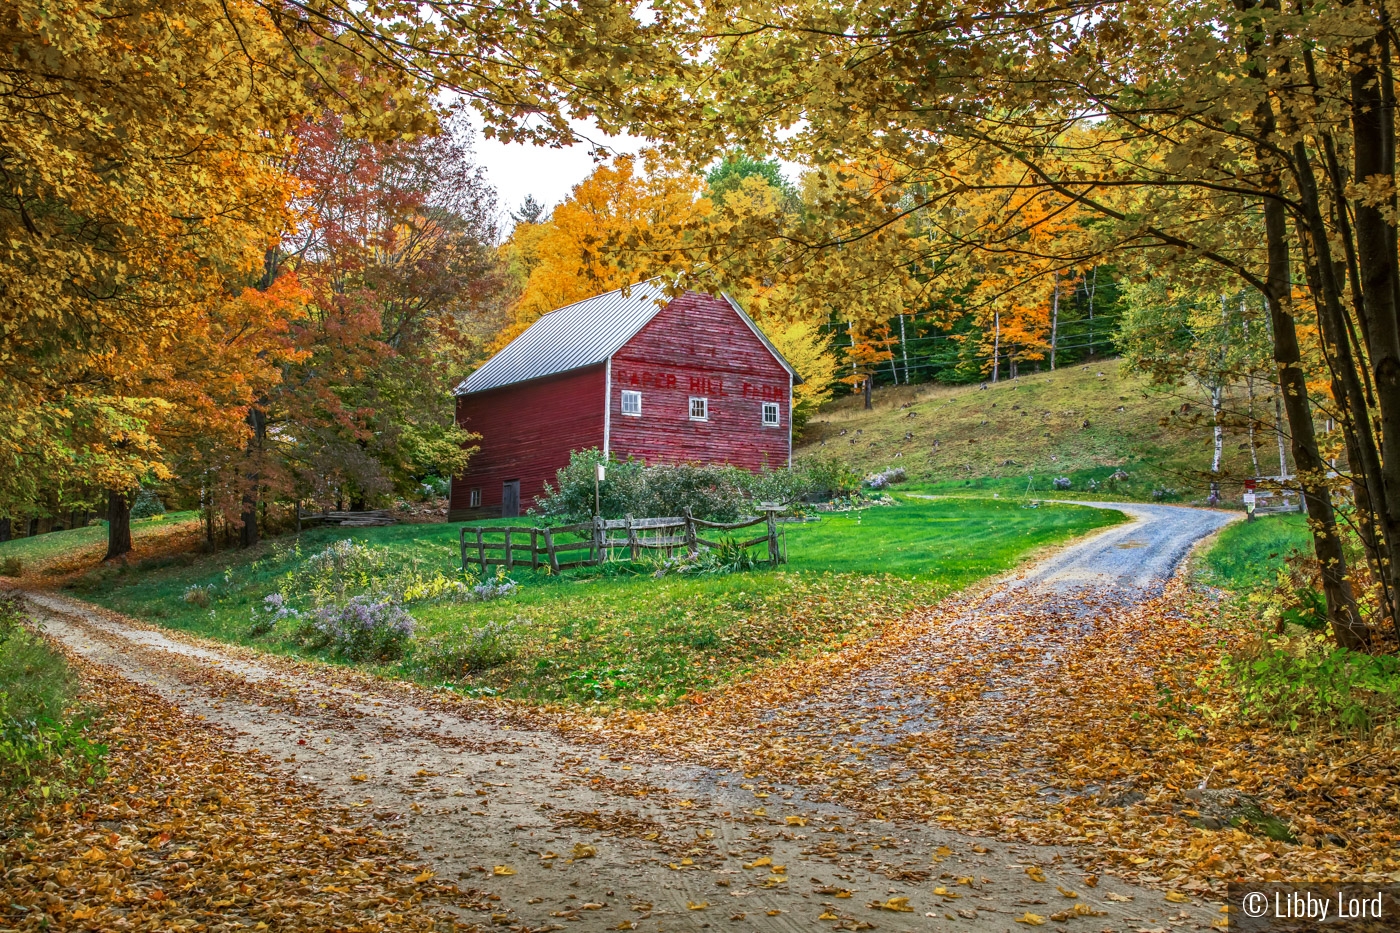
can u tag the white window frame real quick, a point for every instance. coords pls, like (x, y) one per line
(704, 414)
(627, 396)
(777, 415)
(474, 498)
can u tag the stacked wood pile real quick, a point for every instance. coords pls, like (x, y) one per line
(367, 519)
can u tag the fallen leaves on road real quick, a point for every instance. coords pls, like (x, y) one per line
(182, 833)
(1074, 719)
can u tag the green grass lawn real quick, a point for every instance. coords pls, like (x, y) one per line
(37, 552)
(42, 548)
(1248, 555)
(617, 634)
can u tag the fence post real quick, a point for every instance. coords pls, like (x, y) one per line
(691, 547)
(632, 539)
(462, 540)
(772, 537)
(509, 562)
(549, 548)
(534, 552)
(600, 534)
(480, 550)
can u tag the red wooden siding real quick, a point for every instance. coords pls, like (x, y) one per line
(527, 430)
(699, 346)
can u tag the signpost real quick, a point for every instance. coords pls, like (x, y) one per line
(600, 473)
(1249, 499)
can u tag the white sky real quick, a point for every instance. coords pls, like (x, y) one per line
(520, 169)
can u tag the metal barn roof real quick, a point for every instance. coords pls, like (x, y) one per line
(584, 333)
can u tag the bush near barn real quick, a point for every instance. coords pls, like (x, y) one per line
(717, 492)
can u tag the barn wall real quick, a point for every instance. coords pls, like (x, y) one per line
(699, 346)
(527, 431)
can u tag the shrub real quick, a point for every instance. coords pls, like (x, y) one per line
(1304, 683)
(728, 557)
(273, 610)
(717, 492)
(469, 652)
(495, 589)
(414, 587)
(342, 567)
(828, 478)
(197, 595)
(147, 504)
(435, 487)
(367, 627)
(884, 479)
(11, 567)
(1062, 482)
(712, 492)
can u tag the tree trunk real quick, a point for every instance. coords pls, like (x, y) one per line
(1054, 321)
(248, 534)
(1368, 488)
(1253, 445)
(1216, 405)
(1380, 278)
(1342, 611)
(1091, 288)
(118, 524)
(33, 529)
(996, 344)
(4, 529)
(869, 383)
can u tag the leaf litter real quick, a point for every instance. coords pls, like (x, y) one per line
(177, 831)
(1081, 718)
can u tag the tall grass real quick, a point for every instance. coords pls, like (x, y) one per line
(42, 743)
(1287, 673)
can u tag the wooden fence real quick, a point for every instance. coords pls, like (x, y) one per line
(518, 546)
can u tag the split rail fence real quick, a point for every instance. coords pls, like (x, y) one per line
(519, 546)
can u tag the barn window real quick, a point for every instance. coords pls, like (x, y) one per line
(632, 403)
(699, 409)
(770, 414)
(475, 498)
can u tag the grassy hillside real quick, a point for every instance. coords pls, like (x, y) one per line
(1083, 423)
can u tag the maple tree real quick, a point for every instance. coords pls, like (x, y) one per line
(394, 255)
(136, 201)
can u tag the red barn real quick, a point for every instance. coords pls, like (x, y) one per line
(689, 379)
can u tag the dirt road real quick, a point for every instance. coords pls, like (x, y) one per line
(571, 838)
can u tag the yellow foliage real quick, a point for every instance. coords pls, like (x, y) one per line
(592, 242)
(809, 351)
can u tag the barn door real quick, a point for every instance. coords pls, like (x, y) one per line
(510, 499)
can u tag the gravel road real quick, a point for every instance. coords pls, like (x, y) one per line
(569, 838)
(1136, 558)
